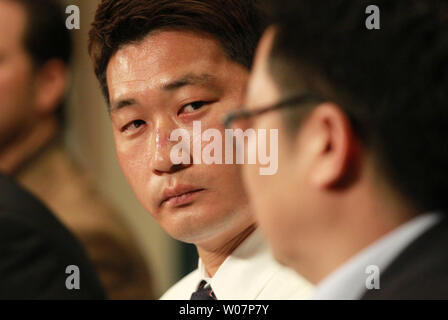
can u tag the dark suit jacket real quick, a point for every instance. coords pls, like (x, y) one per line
(420, 271)
(35, 250)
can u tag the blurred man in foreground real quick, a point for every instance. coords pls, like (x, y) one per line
(162, 66)
(357, 204)
(35, 51)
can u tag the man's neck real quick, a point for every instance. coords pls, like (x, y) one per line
(213, 259)
(373, 215)
(19, 151)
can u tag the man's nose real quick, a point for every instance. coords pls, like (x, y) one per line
(161, 161)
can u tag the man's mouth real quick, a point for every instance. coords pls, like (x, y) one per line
(179, 195)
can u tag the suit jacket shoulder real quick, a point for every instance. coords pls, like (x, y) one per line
(420, 271)
(36, 249)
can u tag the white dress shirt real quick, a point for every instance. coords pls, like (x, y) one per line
(249, 273)
(349, 281)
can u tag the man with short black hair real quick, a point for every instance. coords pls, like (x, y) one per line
(357, 206)
(163, 65)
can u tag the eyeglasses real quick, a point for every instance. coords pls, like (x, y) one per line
(230, 120)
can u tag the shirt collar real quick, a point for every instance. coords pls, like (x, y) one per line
(349, 281)
(249, 267)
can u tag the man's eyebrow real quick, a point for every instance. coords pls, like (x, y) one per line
(189, 80)
(121, 104)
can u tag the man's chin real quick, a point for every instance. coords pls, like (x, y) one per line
(187, 236)
(184, 227)
(201, 222)
(192, 231)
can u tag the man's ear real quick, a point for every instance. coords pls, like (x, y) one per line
(334, 149)
(50, 85)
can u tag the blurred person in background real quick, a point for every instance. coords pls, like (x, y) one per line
(358, 205)
(39, 257)
(162, 65)
(35, 49)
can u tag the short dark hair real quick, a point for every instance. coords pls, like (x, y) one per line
(46, 36)
(391, 82)
(237, 24)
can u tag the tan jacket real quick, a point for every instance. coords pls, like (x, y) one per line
(67, 191)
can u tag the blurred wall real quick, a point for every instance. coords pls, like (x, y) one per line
(89, 137)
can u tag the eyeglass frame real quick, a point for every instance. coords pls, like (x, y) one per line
(243, 113)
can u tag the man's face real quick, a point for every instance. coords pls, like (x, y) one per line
(277, 200)
(163, 83)
(15, 74)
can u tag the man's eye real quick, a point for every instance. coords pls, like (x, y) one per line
(191, 107)
(133, 125)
